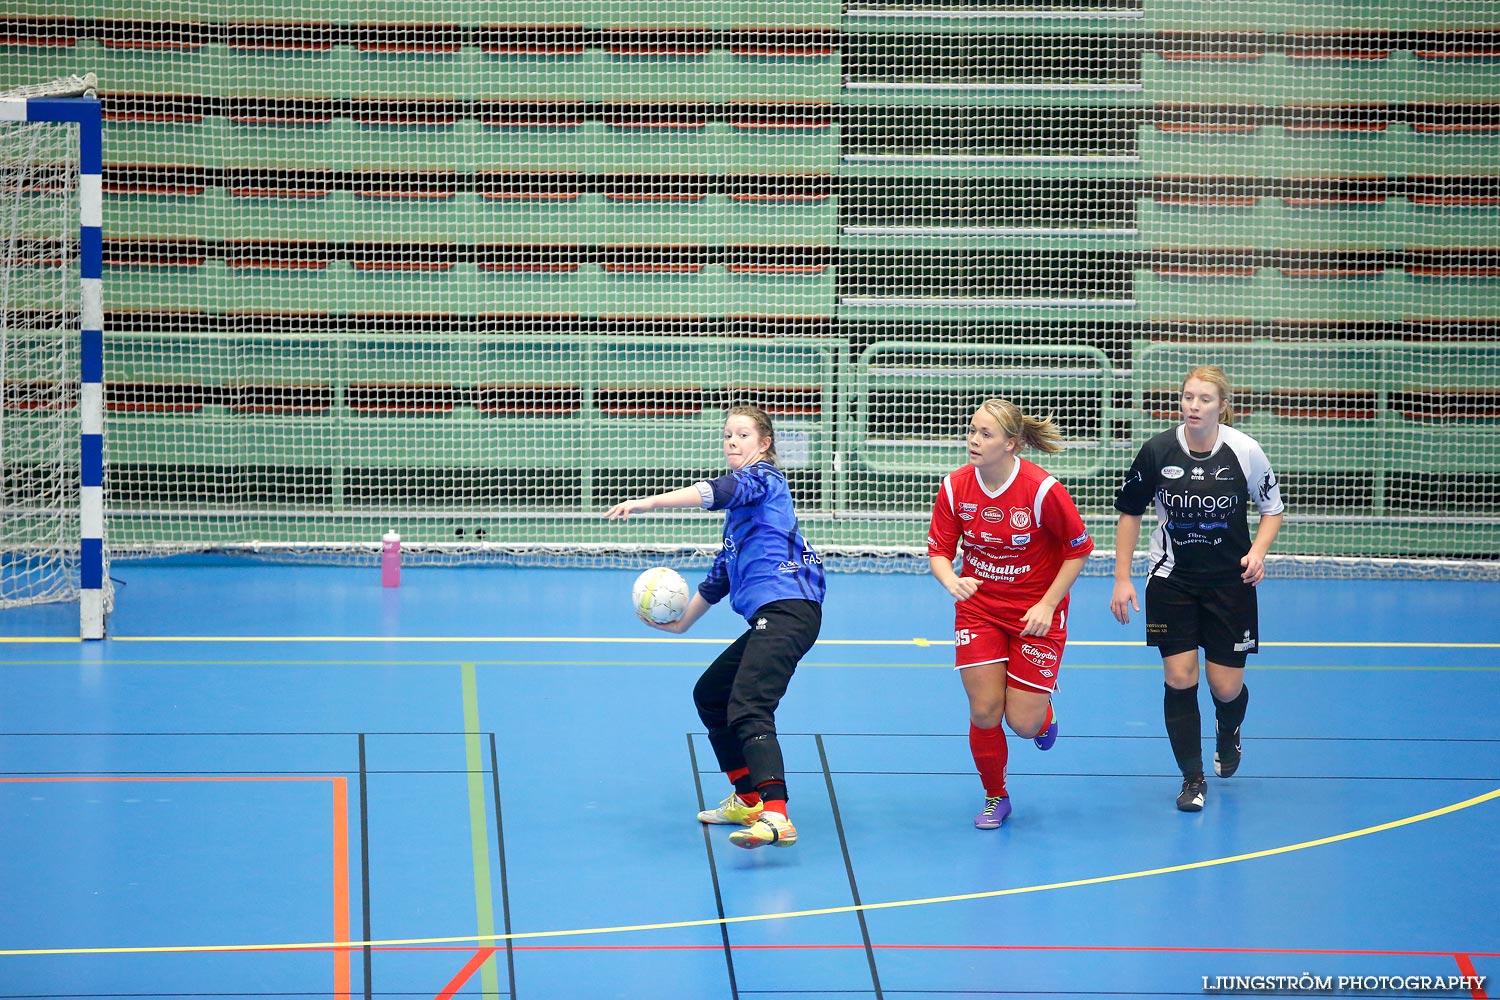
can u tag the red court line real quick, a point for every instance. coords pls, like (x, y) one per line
(168, 777)
(1466, 968)
(470, 967)
(342, 967)
(342, 971)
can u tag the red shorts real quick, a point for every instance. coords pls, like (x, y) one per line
(1031, 662)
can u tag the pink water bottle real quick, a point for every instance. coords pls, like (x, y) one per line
(390, 560)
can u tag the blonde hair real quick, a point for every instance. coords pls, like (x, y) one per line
(1030, 432)
(1214, 376)
(762, 426)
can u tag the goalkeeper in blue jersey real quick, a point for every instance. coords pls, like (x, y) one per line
(775, 580)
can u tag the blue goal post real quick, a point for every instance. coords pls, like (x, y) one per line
(39, 105)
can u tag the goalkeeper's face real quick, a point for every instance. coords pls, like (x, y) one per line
(743, 443)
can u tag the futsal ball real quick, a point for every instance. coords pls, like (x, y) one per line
(661, 595)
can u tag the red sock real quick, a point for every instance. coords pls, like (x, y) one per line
(991, 755)
(1047, 722)
(776, 806)
(741, 775)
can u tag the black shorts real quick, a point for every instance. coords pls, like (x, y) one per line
(1221, 618)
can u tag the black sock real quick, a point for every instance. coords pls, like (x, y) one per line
(743, 785)
(1184, 729)
(763, 756)
(773, 791)
(1231, 713)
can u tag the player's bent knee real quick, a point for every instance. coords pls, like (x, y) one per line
(1027, 728)
(708, 701)
(754, 729)
(712, 715)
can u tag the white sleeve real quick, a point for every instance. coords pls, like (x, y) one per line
(1265, 491)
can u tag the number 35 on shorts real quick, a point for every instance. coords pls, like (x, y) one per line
(963, 637)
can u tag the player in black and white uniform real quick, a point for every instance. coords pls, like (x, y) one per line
(1202, 477)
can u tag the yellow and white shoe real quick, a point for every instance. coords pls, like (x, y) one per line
(771, 828)
(733, 811)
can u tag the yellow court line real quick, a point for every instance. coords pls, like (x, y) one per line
(545, 639)
(624, 640)
(760, 917)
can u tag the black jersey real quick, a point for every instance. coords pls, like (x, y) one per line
(1202, 502)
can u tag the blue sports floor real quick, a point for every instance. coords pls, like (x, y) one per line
(291, 782)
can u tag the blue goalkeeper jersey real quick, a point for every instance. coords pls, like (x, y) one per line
(764, 557)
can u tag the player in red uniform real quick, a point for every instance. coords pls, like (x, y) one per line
(1024, 544)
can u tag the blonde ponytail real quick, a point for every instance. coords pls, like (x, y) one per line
(1029, 432)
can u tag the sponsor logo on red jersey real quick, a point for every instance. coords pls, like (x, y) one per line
(1039, 655)
(1000, 572)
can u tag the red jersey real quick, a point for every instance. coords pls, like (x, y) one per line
(1015, 536)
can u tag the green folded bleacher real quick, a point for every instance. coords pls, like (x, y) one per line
(477, 259)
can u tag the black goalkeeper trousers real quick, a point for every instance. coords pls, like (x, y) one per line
(738, 694)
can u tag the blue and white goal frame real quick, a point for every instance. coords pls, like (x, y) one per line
(85, 112)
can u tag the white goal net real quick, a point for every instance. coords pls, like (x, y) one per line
(44, 506)
(475, 271)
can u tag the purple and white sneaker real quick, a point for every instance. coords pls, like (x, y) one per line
(996, 810)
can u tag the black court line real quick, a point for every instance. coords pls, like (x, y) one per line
(364, 865)
(838, 824)
(713, 874)
(510, 951)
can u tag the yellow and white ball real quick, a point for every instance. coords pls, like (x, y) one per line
(661, 595)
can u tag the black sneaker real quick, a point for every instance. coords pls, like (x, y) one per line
(1194, 791)
(1227, 755)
